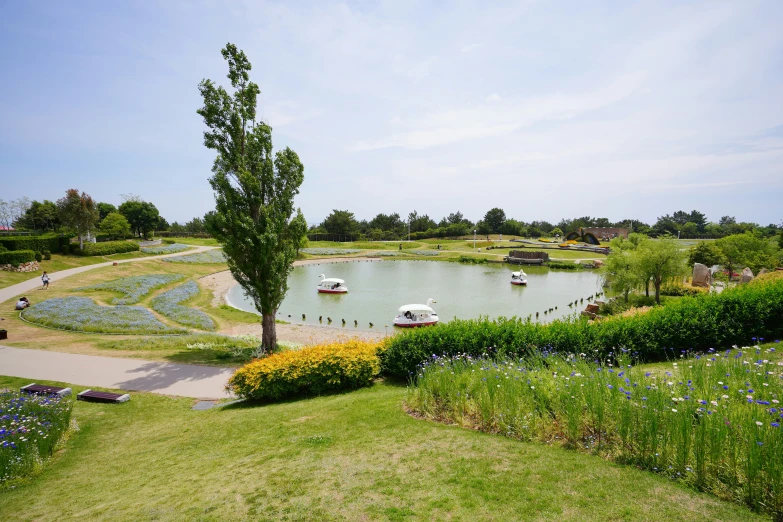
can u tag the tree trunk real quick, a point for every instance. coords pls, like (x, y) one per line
(657, 291)
(81, 242)
(647, 288)
(269, 334)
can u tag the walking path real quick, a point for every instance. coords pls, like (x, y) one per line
(31, 284)
(185, 380)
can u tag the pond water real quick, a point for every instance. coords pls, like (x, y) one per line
(377, 289)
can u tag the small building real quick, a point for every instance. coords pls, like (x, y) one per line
(607, 233)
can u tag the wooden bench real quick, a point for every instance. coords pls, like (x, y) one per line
(96, 396)
(41, 389)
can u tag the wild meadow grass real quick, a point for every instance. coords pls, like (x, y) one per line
(165, 249)
(81, 314)
(30, 428)
(710, 420)
(215, 256)
(168, 304)
(135, 287)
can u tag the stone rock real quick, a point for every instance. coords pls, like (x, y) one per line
(598, 263)
(32, 266)
(762, 272)
(701, 275)
(747, 275)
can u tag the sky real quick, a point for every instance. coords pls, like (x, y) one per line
(546, 109)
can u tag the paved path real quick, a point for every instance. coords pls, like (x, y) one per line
(31, 284)
(186, 380)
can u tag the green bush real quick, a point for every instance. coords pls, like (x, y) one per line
(3, 249)
(38, 257)
(564, 265)
(34, 243)
(104, 249)
(16, 257)
(472, 260)
(690, 323)
(47, 255)
(167, 241)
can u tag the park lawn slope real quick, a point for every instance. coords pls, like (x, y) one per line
(354, 456)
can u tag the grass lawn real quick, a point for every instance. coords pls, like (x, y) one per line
(353, 456)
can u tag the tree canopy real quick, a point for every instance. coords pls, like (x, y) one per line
(143, 216)
(254, 217)
(78, 212)
(115, 225)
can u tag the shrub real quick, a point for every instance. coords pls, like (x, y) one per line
(16, 257)
(565, 265)
(81, 314)
(135, 287)
(105, 249)
(38, 257)
(690, 323)
(35, 243)
(3, 249)
(47, 254)
(679, 290)
(168, 241)
(472, 260)
(30, 428)
(167, 304)
(311, 370)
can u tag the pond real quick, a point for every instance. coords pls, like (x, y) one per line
(377, 289)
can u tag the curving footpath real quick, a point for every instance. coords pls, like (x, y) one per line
(31, 284)
(186, 380)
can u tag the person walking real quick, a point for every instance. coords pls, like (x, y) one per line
(45, 280)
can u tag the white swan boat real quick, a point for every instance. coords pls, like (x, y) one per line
(518, 278)
(331, 285)
(412, 315)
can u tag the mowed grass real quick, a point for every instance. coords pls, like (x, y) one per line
(355, 456)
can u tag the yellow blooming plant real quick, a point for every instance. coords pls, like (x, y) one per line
(312, 370)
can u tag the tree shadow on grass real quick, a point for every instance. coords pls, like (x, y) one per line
(178, 379)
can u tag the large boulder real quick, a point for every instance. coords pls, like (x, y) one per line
(701, 275)
(747, 275)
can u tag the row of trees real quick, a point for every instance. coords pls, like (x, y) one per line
(393, 227)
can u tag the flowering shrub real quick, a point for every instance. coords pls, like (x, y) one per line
(167, 304)
(30, 428)
(167, 249)
(134, 287)
(731, 317)
(209, 257)
(329, 251)
(311, 370)
(81, 314)
(711, 420)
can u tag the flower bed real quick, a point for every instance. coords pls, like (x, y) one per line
(311, 370)
(30, 428)
(134, 287)
(423, 253)
(329, 251)
(165, 249)
(209, 257)
(167, 304)
(81, 314)
(712, 421)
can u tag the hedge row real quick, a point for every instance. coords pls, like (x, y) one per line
(734, 316)
(35, 243)
(312, 370)
(104, 249)
(16, 257)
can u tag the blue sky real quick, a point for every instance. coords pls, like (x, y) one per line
(545, 109)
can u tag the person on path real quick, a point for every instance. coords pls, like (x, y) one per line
(45, 280)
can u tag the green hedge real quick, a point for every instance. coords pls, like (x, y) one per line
(35, 243)
(16, 257)
(104, 249)
(691, 323)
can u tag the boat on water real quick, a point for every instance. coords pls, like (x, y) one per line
(413, 315)
(518, 278)
(331, 285)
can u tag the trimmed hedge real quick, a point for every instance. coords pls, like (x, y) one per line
(106, 248)
(312, 370)
(34, 243)
(734, 316)
(16, 257)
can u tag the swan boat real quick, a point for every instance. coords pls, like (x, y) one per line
(412, 315)
(518, 278)
(331, 285)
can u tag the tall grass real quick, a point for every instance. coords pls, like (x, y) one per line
(30, 428)
(712, 421)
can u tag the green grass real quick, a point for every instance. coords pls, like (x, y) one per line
(354, 456)
(195, 241)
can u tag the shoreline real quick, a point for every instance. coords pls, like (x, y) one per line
(220, 283)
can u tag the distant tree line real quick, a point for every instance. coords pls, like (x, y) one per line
(686, 225)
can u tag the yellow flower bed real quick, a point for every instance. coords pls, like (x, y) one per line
(313, 370)
(544, 240)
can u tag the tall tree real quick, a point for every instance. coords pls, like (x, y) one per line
(78, 212)
(340, 222)
(254, 192)
(494, 219)
(660, 261)
(115, 225)
(746, 250)
(143, 216)
(104, 209)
